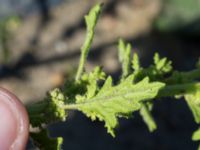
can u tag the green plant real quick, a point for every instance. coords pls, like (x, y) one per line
(135, 91)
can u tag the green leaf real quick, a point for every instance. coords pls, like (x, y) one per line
(92, 17)
(136, 62)
(91, 21)
(196, 135)
(145, 112)
(124, 51)
(117, 101)
(56, 103)
(51, 107)
(44, 142)
(162, 65)
(155, 72)
(92, 79)
(193, 101)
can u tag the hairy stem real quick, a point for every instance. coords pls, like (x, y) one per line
(91, 21)
(84, 53)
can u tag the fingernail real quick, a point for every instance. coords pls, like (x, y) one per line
(14, 124)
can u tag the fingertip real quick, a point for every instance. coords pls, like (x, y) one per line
(14, 128)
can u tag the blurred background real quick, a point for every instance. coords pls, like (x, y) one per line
(40, 47)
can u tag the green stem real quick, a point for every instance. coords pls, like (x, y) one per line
(71, 106)
(84, 53)
(182, 76)
(179, 89)
(147, 117)
(194, 74)
(91, 21)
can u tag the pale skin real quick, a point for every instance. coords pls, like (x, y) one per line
(14, 122)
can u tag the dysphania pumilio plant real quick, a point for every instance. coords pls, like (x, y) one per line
(136, 90)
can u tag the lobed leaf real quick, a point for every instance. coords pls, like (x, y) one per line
(118, 101)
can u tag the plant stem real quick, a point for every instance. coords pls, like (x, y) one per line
(71, 106)
(178, 89)
(191, 76)
(84, 53)
(194, 74)
(91, 21)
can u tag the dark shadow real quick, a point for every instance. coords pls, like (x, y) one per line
(29, 60)
(170, 45)
(110, 6)
(8, 71)
(45, 18)
(43, 6)
(72, 29)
